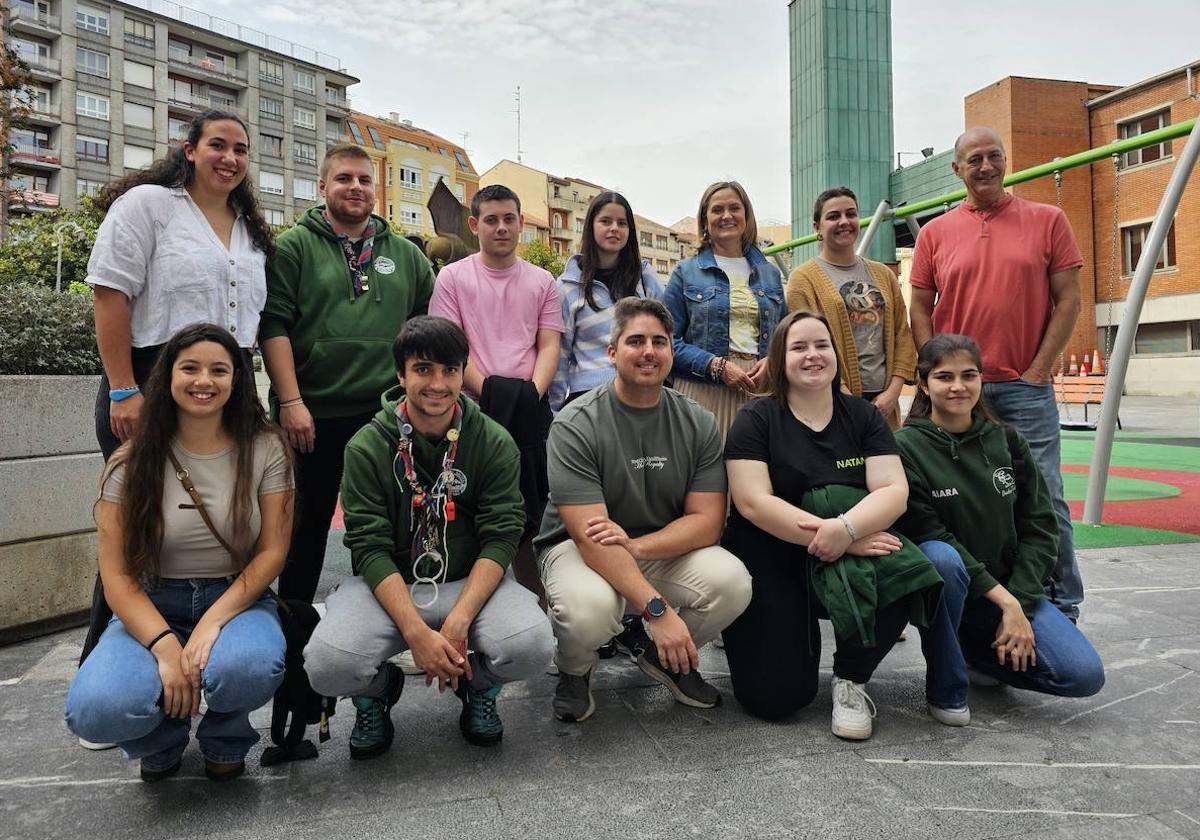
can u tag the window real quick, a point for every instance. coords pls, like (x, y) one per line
(663, 267)
(27, 181)
(660, 242)
(1133, 240)
(528, 234)
(578, 225)
(459, 192)
(1171, 337)
(410, 216)
(139, 32)
(462, 161)
(305, 152)
(93, 20)
(138, 157)
(273, 216)
(270, 71)
(139, 116)
(141, 75)
(180, 51)
(557, 190)
(410, 178)
(304, 189)
(356, 133)
(85, 187)
(375, 138)
(91, 105)
(270, 146)
(37, 97)
(91, 62)
(180, 91)
(646, 239)
(305, 81)
(270, 182)
(333, 131)
(35, 53)
(224, 99)
(390, 173)
(177, 129)
(269, 107)
(91, 148)
(335, 96)
(34, 141)
(1144, 125)
(304, 117)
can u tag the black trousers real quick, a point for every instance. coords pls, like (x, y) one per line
(774, 647)
(318, 479)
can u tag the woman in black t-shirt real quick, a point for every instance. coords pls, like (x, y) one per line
(806, 434)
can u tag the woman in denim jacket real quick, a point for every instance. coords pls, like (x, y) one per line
(726, 301)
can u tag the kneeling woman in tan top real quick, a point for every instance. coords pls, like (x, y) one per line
(861, 298)
(191, 617)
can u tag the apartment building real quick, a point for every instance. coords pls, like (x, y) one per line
(555, 208)
(114, 83)
(409, 163)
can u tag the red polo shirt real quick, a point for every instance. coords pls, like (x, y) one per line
(991, 272)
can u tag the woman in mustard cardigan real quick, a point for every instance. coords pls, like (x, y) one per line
(861, 299)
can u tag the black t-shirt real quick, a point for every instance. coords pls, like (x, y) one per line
(798, 458)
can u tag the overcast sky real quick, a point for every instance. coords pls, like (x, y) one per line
(660, 97)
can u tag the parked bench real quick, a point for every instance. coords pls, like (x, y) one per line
(1080, 390)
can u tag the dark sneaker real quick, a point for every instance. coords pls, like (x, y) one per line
(223, 771)
(573, 700)
(151, 774)
(633, 639)
(373, 730)
(480, 722)
(690, 689)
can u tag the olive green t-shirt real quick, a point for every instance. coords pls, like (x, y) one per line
(640, 462)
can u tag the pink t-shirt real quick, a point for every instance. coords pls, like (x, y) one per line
(991, 271)
(500, 311)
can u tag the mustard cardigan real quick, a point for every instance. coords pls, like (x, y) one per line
(809, 287)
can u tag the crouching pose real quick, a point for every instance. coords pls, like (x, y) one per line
(816, 483)
(433, 516)
(975, 486)
(193, 517)
(637, 499)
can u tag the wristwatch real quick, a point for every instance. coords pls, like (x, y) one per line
(118, 394)
(656, 607)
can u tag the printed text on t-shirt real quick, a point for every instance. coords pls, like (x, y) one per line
(652, 462)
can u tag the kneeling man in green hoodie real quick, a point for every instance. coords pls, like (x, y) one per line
(433, 517)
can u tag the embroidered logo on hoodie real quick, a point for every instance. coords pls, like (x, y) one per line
(1003, 481)
(384, 265)
(944, 494)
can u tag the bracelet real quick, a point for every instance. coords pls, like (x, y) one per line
(718, 370)
(159, 638)
(297, 401)
(118, 394)
(850, 529)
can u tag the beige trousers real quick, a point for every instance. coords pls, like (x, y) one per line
(710, 588)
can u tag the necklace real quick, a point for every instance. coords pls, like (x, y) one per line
(431, 509)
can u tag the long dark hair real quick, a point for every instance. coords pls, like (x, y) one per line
(175, 170)
(145, 455)
(932, 354)
(777, 381)
(628, 271)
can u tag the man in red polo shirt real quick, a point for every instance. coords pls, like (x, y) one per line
(1005, 271)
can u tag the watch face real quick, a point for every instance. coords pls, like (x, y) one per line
(656, 607)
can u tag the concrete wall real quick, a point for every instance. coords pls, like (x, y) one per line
(49, 467)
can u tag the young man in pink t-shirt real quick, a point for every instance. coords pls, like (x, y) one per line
(512, 315)
(1005, 271)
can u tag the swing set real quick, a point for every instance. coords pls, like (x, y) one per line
(1117, 350)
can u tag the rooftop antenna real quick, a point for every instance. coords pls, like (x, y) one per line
(518, 98)
(464, 135)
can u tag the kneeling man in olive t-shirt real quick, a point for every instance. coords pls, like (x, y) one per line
(637, 502)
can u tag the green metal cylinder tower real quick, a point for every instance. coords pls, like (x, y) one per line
(841, 98)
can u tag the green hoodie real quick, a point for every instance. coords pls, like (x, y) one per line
(342, 344)
(377, 503)
(962, 490)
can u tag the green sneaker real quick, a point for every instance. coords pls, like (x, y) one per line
(373, 730)
(480, 722)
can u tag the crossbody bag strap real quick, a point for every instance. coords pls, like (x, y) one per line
(185, 478)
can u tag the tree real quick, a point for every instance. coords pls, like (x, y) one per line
(15, 99)
(540, 254)
(30, 252)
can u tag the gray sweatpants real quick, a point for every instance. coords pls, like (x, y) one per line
(510, 639)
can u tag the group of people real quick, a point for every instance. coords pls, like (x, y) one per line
(713, 457)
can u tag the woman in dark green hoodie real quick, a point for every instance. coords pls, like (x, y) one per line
(974, 485)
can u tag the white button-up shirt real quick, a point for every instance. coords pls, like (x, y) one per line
(156, 247)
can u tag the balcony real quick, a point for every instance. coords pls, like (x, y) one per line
(304, 159)
(34, 157)
(41, 67)
(26, 19)
(561, 202)
(336, 101)
(197, 102)
(206, 68)
(32, 201)
(43, 113)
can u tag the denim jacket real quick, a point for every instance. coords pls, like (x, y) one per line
(698, 298)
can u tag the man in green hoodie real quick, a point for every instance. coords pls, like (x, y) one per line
(341, 285)
(433, 517)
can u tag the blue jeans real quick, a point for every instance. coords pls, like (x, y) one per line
(1033, 411)
(117, 695)
(1067, 664)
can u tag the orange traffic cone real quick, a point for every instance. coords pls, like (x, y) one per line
(1073, 370)
(1097, 364)
(1085, 368)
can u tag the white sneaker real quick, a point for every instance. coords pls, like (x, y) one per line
(95, 745)
(405, 660)
(982, 680)
(951, 717)
(852, 710)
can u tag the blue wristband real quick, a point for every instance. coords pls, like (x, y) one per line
(118, 394)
